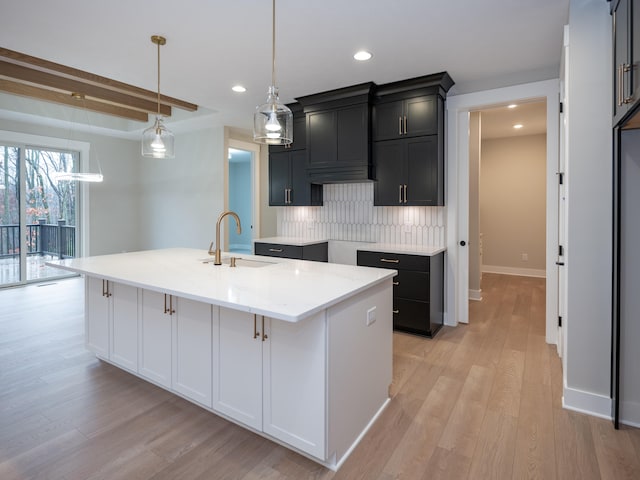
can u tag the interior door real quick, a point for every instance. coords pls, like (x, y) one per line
(562, 211)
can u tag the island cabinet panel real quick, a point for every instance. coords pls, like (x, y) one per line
(98, 311)
(294, 372)
(237, 366)
(123, 350)
(192, 347)
(155, 337)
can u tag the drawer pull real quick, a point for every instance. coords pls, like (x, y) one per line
(256, 333)
(396, 312)
(396, 283)
(389, 260)
(277, 250)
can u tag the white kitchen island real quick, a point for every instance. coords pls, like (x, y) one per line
(299, 352)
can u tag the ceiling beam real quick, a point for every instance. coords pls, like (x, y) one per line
(30, 91)
(35, 77)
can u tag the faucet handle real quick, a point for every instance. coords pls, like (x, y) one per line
(211, 250)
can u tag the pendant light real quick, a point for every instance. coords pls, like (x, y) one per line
(273, 121)
(80, 176)
(157, 140)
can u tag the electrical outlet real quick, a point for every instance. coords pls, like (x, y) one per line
(371, 316)
(524, 257)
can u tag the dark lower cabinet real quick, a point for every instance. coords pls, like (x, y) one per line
(317, 252)
(418, 289)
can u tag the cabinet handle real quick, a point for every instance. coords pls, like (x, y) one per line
(255, 327)
(105, 288)
(405, 194)
(405, 124)
(171, 310)
(264, 333)
(390, 260)
(619, 96)
(399, 125)
(165, 304)
(400, 194)
(290, 190)
(396, 311)
(277, 250)
(396, 283)
(626, 68)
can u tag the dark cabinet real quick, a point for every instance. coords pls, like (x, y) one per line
(288, 180)
(405, 118)
(409, 171)
(626, 57)
(299, 134)
(316, 252)
(418, 289)
(338, 134)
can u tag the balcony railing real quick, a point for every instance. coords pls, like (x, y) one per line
(58, 240)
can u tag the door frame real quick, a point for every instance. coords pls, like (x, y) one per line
(26, 140)
(254, 148)
(457, 272)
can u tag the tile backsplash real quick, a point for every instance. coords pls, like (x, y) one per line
(348, 214)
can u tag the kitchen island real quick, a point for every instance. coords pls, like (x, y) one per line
(299, 352)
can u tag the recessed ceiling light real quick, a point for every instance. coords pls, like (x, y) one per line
(362, 55)
(513, 105)
(518, 126)
(238, 88)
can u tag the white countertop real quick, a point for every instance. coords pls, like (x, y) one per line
(425, 250)
(285, 289)
(295, 241)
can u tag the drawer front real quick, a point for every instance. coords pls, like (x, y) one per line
(278, 250)
(398, 261)
(411, 316)
(411, 285)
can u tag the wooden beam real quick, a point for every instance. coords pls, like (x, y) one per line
(38, 77)
(66, 99)
(86, 77)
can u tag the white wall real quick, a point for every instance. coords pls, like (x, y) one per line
(181, 198)
(475, 262)
(589, 192)
(513, 204)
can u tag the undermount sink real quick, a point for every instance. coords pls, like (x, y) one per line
(240, 262)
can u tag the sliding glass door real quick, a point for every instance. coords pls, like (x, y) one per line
(38, 213)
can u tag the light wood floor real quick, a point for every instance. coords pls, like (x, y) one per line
(479, 401)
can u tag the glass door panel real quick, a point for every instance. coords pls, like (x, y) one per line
(10, 232)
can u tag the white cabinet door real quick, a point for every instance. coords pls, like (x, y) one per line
(237, 364)
(97, 311)
(294, 376)
(192, 350)
(155, 338)
(124, 326)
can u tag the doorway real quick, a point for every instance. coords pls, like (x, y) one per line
(242, 194)
(457, 277)
(39, 215)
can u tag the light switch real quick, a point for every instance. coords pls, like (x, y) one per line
(371, 316)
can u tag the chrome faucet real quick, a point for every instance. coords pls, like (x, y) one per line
(218, 259)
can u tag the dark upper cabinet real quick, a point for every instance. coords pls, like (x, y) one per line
(626, 57)
(288, 180)
(338, 134)
(289, 183)
(299, 133)
(410, 117)
(409, 171)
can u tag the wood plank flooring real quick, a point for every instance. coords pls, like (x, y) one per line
(479, 401)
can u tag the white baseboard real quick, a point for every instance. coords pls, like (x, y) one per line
(475, 295)
(630, 413)
(522, 272)
(586, 402)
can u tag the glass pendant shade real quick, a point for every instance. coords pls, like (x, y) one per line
(273, 121)
(157, 141)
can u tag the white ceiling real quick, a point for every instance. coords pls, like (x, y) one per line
(498, 122)
(213, 45)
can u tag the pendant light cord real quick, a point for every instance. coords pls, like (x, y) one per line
(158, 78)
(273, 46)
